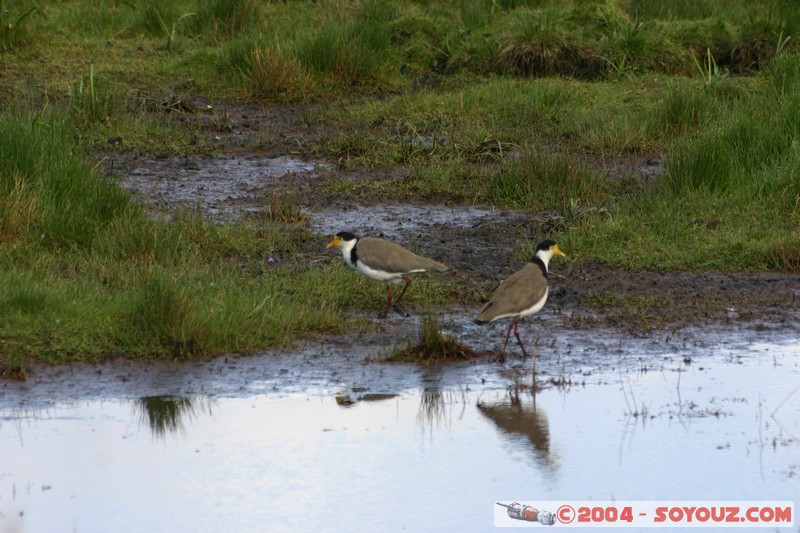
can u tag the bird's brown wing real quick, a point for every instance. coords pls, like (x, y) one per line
(387, 256)
(518, 292)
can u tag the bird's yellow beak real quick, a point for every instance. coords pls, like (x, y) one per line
(556, 251)
(334, 242)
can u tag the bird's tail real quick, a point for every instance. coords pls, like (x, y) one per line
(439, 267)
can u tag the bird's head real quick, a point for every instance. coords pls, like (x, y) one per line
(547, 249)
(341, 238)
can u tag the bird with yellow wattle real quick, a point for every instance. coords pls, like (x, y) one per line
(521, 294)
(383, 261)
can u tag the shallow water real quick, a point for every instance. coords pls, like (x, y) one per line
(435, 456)
(221, 187)
(226, 187)
(401, 220)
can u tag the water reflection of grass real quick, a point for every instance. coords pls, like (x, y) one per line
(436, 407)
(167, 414)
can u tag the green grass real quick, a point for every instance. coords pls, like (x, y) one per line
(324, 50)
(86, 274)
(726, 200)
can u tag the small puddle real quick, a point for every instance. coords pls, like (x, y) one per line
(427, 456)
(222, 187)
(402, 220)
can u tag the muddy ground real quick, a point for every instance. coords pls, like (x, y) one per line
(593, 309)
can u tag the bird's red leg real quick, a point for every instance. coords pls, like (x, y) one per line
(516, 333)
(388, 301)
(508, 334)
(397, 302)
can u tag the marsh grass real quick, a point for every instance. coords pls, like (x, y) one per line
(281, 207)
(85, 273)
(377, 46)
(162, 311)
(275, 76)
(785, 255)
(433, 346)
(53, 196)
(220, 18)
(684, 109)
(371, 47)
(538, 44)
(13, 24)
(13, 371)
(18, 208)
(334, 51)
(170, 28)
(542, 181)
(758, 134)
(783, 76)
(91, 101)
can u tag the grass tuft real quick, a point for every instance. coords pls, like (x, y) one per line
(163, 312)
(433, 346)
(52, 193)
(14, 25)
(542, 181)
(13, 372)
(90, 101)
(538, 45)
(785, 256)
(280, 207)
(219, 18)
(275, 76)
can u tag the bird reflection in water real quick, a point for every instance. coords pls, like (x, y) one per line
(524, 424)
(350, 399)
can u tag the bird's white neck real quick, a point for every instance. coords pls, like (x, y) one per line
(347, 251)
(545, 256)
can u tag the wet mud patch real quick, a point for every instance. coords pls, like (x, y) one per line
(222, 187)
(331, 364)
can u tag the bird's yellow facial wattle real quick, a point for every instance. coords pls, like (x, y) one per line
(335, 242)
(556, 251)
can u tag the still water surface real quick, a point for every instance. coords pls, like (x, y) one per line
(430, 459)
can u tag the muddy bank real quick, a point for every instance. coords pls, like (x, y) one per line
(350, 364)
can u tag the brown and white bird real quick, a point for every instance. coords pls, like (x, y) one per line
(383, 261)
(521, 294)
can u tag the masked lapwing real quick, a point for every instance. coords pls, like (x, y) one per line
(521, 294)
(383, 261)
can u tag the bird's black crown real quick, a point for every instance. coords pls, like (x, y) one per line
(346, 236)
(545, 245)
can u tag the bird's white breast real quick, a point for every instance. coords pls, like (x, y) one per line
(379, 275)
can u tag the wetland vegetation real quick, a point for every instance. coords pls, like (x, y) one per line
(549, 107)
